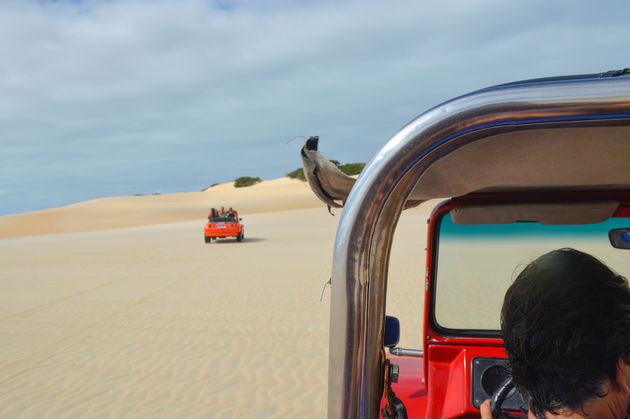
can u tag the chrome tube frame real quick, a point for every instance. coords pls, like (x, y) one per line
(366, 228)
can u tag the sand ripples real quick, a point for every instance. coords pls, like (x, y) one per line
(152, 322)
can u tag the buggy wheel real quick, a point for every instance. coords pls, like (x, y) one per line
(239, 238)
(207, 239)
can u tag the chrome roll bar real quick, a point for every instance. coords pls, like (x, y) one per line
(366, 228)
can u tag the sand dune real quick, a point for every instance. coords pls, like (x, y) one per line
(128, 211)
(149, 321)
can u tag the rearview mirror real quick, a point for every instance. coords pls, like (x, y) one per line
(392, 332)
(620, 238)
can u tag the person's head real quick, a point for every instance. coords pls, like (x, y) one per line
(566, 325)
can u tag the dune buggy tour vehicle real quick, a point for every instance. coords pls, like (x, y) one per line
(528, 167)
(221, 227)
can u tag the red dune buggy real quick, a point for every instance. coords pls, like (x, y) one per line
(219, 227)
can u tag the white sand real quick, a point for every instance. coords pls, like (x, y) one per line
(470, 294)
(146, 320)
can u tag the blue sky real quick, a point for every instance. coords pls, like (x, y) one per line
(122, 97)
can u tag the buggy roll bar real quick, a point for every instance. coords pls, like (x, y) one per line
(365, 231)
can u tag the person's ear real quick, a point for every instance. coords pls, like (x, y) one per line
(623, 376)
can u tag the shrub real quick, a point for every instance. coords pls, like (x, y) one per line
(352, 168)
(246, 181)
(297, 174)
(205, 189)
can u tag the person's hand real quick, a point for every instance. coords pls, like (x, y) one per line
(486, 410)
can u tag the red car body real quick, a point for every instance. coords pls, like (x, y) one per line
(440, 384)
(222, 227)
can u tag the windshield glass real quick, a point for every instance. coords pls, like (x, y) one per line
(227, 219)
(477, 263)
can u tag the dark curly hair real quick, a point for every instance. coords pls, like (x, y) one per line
(565, 324)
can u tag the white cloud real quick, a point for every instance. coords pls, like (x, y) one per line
(123, 97)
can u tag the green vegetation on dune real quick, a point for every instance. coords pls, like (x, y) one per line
(205, 189)
(349, 169)
(297, 174)
(352, 169)
(246, 181)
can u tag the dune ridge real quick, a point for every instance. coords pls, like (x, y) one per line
(131, 211)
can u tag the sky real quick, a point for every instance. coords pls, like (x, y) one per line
(104, 98)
